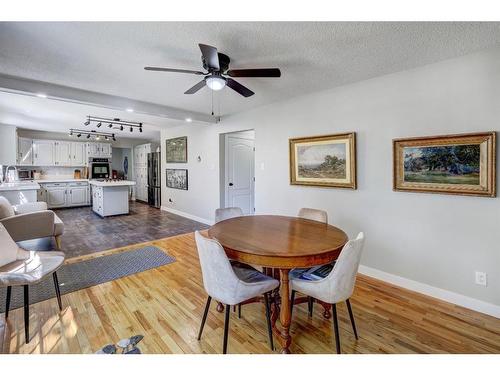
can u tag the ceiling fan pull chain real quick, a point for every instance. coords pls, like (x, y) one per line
(212, 102)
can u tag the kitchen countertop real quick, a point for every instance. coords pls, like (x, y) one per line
(111, 184)
(54, 180)
(20, 185)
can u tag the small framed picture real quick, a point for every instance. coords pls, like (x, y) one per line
(328, 160)
(463, 164)
(177, 179)
(176, 150)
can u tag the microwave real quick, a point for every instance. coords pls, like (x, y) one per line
(25, 174)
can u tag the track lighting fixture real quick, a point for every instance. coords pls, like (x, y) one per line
(86, 123)
(112, 122)
(97, 135)
(140, 129)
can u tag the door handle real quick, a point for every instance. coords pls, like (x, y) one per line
(230, 184)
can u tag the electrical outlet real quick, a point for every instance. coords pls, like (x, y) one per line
(481, 278)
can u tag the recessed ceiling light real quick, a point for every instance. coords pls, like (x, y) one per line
(41, 95)
(130, 110)
(189, 119)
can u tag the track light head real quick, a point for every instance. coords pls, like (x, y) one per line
(110, 125)
(131, 129)
(99, 125)
(86, 123)
(88, 136)
(78, 135)
(121, 127)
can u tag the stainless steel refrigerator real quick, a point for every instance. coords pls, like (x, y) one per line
(154, 179)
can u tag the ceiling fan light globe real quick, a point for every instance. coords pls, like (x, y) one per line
(215, 83)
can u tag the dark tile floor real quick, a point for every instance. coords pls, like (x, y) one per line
(86, 232)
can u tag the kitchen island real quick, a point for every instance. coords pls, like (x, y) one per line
(111, 197)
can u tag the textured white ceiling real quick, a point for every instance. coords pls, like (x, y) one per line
(109, 57)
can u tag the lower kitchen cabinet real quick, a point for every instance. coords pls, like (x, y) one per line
(64, 194)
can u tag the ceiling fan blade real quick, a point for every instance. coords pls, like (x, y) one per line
(173, 70)
(196, 87)
(210, 55)
(239, 88)
(265, 72)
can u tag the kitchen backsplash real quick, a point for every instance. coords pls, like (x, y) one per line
(54, 172)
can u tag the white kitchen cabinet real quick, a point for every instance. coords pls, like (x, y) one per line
(62, 151)
(77, 195)
(64, 194)
(56, 195)
(78, 154)
(24, 151)
(99, 150)
(43, 152)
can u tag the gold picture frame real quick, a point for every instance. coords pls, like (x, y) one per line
(461, 164)
(325, 161)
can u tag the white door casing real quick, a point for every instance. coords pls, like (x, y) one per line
(240, 173)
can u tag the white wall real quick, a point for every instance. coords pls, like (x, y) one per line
(438, 240)
(8, 145)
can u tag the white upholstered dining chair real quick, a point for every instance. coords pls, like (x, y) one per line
(313, 214)
(338, 286)
(19, 267)
(322, 217)
(229, 283)
(227, 213)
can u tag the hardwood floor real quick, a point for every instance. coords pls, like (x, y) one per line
(166, 305)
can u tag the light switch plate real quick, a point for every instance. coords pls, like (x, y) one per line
(481, 278)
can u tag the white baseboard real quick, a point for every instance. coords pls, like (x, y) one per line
(186, 215)
(445, 295)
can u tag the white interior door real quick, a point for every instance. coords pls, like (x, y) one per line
(240, 173)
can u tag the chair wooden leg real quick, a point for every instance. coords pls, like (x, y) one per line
(310, 305)
(336, 327)
(292, 302)
(226, 328)
(351, 315)
(58, 291)
(239, 310)
(204, 319)
(26, 314)
(7, 301)
(58, 242)
(268, 318)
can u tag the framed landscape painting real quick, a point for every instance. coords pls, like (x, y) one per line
(452, 164)
(176, 150)
(177, 179)
(328, 160)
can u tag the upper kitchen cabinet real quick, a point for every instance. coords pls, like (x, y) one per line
(79, 153)
(43, 152)
(63, 155)
(99, 150)
(24, 151)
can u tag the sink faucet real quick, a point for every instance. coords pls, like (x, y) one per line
(11, 176)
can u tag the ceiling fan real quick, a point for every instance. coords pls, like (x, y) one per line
(217, 65)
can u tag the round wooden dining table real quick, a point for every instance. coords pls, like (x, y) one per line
(279, 243)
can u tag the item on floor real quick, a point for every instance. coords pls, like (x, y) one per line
(30, 221)
(26, 268)
(128, 346)
(267, 240)
(154, 179)
(231, 284)
(337, 286)
(110, 197)
(77, 174)
(87, 273)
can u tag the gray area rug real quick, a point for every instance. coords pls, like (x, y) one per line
(87, 273)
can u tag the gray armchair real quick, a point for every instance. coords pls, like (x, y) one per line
(30, 221)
